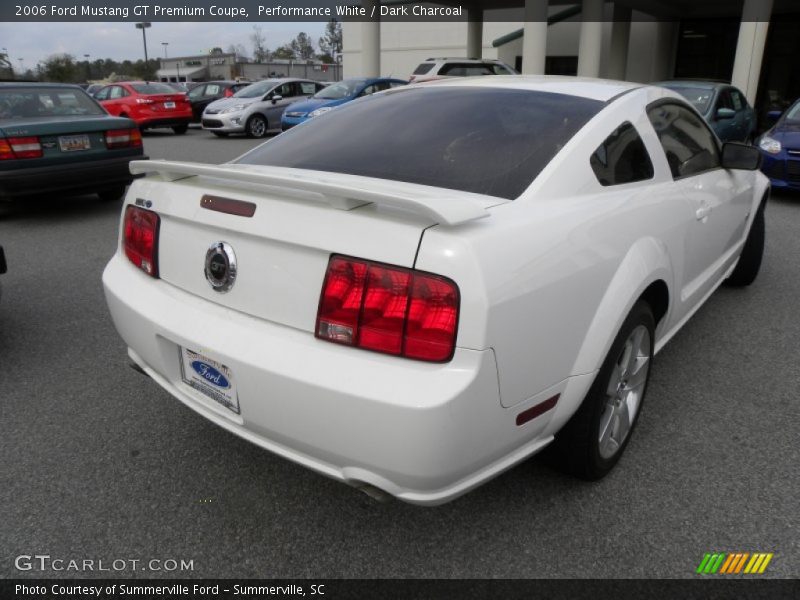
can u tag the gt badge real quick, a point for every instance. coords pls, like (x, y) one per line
(220, 266)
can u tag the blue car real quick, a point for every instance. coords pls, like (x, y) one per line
(780, 147)
(334, 95)
(723, 107)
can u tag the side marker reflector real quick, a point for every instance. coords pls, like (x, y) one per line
(534, 411)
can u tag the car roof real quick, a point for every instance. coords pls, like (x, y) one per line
(699, 83)
(463, 59)
(584, 87)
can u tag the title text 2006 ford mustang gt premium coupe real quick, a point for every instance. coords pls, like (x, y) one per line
(403, 296)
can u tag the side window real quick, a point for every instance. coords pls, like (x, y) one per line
(688, 143)
(369, 90)
(396, 84)
(319, 87)
(738, 102)
(102, 94)
(117, 92)
(212, 89)
(197, 92)
(285, 90)
(622, 158)
(724, 100)
(307, 88)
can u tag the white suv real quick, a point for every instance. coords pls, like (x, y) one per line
(439, 68)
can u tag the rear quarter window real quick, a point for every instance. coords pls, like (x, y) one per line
(622, 158)
(423, 68)
(481, 140)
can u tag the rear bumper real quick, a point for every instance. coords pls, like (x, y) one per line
(81, 177)
(153, 122)
(425, 433)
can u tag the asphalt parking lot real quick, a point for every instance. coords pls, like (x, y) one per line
(100, 463)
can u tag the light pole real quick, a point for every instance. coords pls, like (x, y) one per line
(143, 26)
(165, 44)
(88, 69)
(21, 68)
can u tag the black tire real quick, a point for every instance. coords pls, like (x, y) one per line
(749, 263)
(220, 133)
(256, 127)
(577, 447)
(180, 129)
(112, 194)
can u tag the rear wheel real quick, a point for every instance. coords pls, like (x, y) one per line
(593, 440)
(112, 194)
(256, 126)
(749, 263)
(180, 129)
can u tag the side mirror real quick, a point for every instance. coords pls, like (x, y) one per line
(740, 156)
(726, 113)
(276, 98)
(773, 116)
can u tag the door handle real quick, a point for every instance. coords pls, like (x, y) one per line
(703, 212)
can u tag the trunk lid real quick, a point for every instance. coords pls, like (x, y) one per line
(281, 251)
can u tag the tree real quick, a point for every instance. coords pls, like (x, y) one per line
(285, 52)
(238, 50)
(6, 70)
(302, 46)
(60, 68)
(330, 44)
(260, 51)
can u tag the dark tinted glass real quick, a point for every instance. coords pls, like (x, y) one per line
(423, 68)
(152, 88)
(482, 140)
(622, 158)
(22, 103)
(690, 146)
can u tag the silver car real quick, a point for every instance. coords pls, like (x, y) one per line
(257, 109)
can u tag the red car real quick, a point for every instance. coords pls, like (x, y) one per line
(150, 104)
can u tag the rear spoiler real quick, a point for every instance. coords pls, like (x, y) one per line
(341, 191)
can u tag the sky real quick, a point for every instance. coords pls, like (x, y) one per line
(33, 42)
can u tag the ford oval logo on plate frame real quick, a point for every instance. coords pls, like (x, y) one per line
(210, 377)
(220, 266)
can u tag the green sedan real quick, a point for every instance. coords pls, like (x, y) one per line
(55, 138)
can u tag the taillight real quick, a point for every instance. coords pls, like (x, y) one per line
(388, 309)
(20, 147)
(228, 93)
(123, 138)
(140, 231)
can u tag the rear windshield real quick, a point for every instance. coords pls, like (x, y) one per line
(23, 103)
(699, 97)
(153, 88)
(486, 141)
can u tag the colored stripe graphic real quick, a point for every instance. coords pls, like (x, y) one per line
(734, 563)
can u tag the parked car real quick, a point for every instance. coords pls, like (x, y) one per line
(780, 148)
(334, 95)
(723, 106)
(150, 103)
(417, 305)
(257, 109)
(441, 68)
(55, 138)
(205, 93)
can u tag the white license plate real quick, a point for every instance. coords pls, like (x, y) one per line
(169, 105)
(209, 377)
(72, 143)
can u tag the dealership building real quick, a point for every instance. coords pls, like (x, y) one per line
(752, 43)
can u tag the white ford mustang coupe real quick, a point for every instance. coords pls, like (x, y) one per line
(418, 290)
